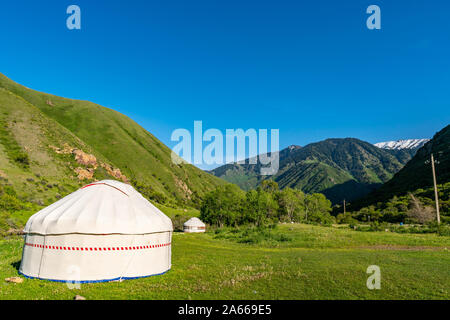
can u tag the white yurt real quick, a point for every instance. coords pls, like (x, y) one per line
(194, 225)
(104, 231)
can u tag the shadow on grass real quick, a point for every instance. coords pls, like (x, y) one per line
(16, 265)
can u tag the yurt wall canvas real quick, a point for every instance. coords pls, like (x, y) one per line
(104, 231)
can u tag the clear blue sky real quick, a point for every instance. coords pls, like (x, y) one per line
(309, 68)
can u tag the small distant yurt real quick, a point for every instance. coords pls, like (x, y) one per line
(194, 225)
(104, 231)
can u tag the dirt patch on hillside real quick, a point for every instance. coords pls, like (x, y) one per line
(66, 149)
(90, 162)
(30, 136)
(402, 248)
(183, 186)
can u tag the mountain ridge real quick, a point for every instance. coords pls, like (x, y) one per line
(416, 174)
(338, 167)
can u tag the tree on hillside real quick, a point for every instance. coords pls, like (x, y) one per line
(318, 208)
(260, 207)
(369, 214)
(268, 205)
(391, 214)
(269, 186)
(292, 204)
(252, 212)
(223, 206)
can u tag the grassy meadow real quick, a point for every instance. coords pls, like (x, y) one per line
(295, 262)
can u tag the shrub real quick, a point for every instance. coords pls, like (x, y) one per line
(346, 218)
(178, 222)
(22, 158)
(444, 230)
(420, 213)
(9, 203)
(7, 190)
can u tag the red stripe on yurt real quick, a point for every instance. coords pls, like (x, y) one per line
(96, 248)
(97, 184)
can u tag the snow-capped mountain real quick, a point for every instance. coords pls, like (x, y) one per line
(402, 144)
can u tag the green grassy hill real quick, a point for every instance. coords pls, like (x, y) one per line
(339, 168)
(50, 146)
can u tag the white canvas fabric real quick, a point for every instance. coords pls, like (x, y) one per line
(104, 231)
(194, 225)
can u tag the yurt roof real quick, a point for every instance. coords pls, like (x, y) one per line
(193, 222)
(103, 207)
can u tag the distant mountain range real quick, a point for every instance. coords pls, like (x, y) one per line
(50, 146)
(339, 168)
(402, 144)
(416, 173)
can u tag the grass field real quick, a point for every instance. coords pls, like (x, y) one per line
(316, 263)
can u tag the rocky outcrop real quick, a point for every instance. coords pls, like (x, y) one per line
(66, 149)
(115, 172)
(84, 173)
(90, 162)
(183, 186)
(85, 158)
(81, 157)
(14, 280)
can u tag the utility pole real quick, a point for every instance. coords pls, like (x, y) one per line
(435, 190)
